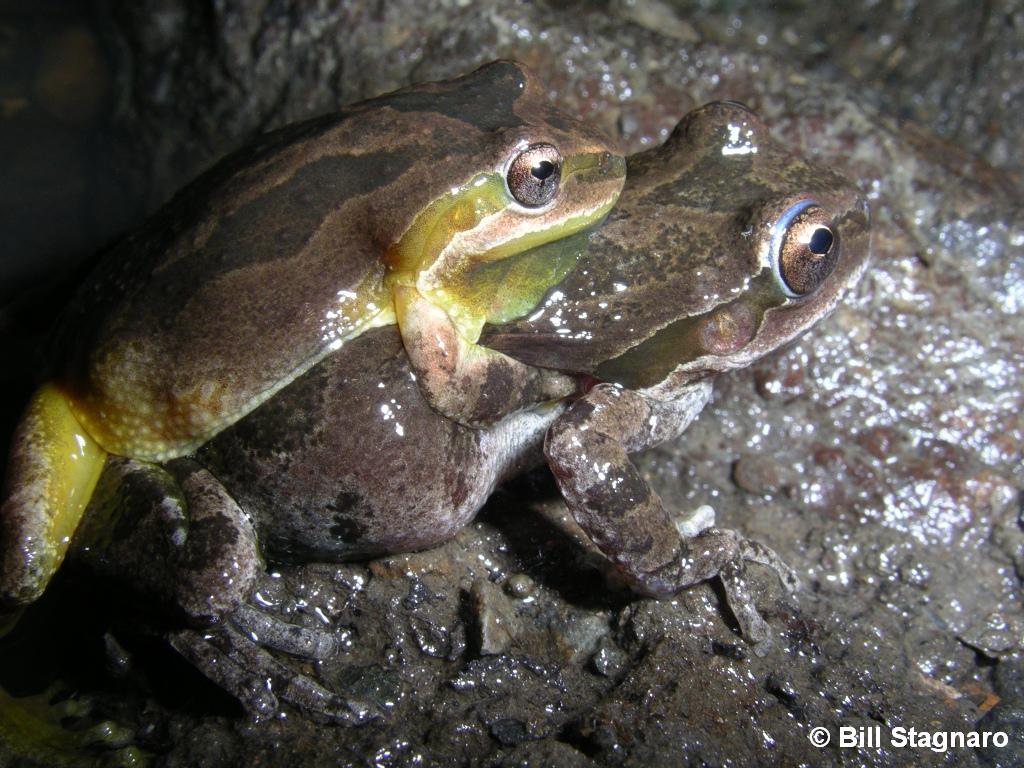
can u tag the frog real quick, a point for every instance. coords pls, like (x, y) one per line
(724, 246)
(284, 252)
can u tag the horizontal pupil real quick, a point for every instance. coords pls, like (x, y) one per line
(821, 241)
(543, 169)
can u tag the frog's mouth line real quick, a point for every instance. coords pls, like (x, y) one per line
(729, 325)
(442, 252)
(778, 320)
(472, 222)
(592, 181)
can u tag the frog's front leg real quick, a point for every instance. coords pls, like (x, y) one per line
(587, 449)
(463, 381)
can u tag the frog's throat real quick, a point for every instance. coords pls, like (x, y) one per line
(464, 228)
(53, 469)
(678, 345)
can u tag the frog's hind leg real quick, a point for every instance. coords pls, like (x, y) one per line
(173, 535)
(53, 468)
(176, 536)
(238, 663)
(236, 654)
(314, 644)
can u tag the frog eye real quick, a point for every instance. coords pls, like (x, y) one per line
(534, 174)
(803, 248)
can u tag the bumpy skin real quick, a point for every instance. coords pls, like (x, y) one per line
(333, 467)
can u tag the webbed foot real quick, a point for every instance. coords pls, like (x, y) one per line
(724, 553)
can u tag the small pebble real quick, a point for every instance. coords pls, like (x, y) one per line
(520, 586)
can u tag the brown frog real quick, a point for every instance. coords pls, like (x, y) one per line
(724, 246)
(284, 253)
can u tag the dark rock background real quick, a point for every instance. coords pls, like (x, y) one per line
(881, 455)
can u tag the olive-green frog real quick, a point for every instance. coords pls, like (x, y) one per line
(723, 246)
(281, 255)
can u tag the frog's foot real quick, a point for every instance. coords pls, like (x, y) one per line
(725, 553)
(56, 727)
(53, 468)
(737, 552)
(587, 449)
(272, 632)
(234, 655)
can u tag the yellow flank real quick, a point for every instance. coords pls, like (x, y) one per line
(129, 413)
(132, 416)
(54, 468)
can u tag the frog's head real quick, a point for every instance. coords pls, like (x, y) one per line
(760, 244)
(493, 168)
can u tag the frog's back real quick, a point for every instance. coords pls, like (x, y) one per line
(265, 264)
(222, 296)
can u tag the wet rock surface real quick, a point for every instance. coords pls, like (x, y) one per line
(881, 455)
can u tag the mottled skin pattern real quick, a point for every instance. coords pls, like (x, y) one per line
(326, 469)
(189, 545)
(350, 460)
(467, 383)
(712, 304)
